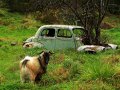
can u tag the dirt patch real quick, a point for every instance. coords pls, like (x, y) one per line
(58, 59)
(60, 74)
(3, 39)
(1, 22)
(113, 59)
(112, 20)
(105, 25)
(4, 23)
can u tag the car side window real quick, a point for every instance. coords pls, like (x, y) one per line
(64, 33)
(77, 32)
(48, 32)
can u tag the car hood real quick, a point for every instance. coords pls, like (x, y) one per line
(29, 39)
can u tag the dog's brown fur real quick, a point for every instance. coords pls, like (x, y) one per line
(32, 68)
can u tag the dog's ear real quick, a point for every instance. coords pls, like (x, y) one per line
(41, 52)
(51, 52)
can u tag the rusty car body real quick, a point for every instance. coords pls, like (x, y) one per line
(55, 37)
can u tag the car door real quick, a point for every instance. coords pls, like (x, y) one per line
(78, 33)
(47, 38)
(64, 39)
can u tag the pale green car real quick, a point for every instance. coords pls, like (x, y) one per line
(55, 37)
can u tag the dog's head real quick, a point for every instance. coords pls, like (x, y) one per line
(46, 55)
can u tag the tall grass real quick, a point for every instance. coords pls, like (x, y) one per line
(96, 69)
(67, 69)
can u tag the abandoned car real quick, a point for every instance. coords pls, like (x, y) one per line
(55, 37)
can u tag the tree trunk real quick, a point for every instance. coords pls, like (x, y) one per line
(97, 37)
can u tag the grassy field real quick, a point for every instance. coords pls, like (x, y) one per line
(67, 70)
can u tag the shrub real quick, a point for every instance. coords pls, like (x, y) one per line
(49, 17)
(29, 22)
(2, 12)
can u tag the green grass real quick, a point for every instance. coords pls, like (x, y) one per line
(67, 69)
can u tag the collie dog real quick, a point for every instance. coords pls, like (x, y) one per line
(32, 68)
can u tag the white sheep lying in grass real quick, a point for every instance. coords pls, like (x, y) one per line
(32, 68)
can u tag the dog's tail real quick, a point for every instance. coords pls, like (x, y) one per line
(24, 62)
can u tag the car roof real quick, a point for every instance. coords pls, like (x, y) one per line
(61, 26)
(69, 27)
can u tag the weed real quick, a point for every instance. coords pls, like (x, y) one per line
(97, 70)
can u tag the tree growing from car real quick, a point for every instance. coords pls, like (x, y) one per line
(90, 14)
